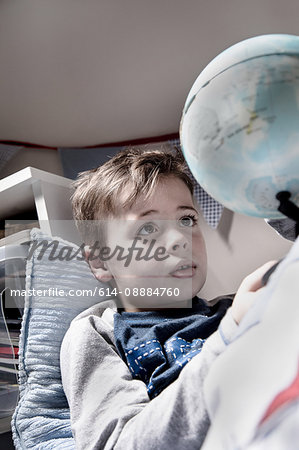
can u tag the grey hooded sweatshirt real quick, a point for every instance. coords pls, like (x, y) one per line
(111, 410)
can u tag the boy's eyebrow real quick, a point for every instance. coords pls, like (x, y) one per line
(179, 208)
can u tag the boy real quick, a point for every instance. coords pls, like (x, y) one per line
(122, 368)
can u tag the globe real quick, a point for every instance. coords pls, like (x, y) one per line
(240, 125)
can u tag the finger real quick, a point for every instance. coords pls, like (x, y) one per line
(253, 282)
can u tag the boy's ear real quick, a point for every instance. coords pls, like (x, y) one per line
(98, 267)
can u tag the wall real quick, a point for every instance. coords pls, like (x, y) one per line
(40, 158)
(236, 248)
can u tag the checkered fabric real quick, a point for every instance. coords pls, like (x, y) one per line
(212, 210)
(285, 227)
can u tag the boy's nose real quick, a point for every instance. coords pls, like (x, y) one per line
(177, 242)
(176, 246)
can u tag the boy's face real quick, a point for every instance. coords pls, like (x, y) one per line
(165, 229)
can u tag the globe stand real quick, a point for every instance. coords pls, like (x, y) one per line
(288, 208)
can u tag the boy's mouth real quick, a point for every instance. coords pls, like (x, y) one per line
(184, 270)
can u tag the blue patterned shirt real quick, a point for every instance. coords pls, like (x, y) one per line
(156, 345)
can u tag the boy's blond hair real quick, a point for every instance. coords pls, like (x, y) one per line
(128, 174)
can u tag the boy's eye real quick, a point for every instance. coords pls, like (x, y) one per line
(148, 228)
(188, 221)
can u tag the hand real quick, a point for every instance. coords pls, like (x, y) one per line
(246, 293)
